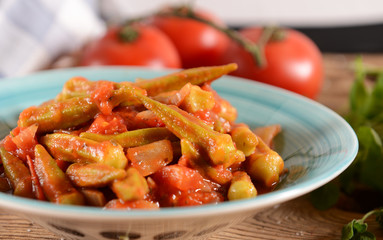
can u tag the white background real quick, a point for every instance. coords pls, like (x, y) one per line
(298, 13)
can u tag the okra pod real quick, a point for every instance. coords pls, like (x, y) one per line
(76, 87)
(198, 100)
(241, 187)
(199, 161)
(81, 150)
(115, 93)
(177, 80)
(59, 115)
(244, 138)
(219, 147)
(175, 97)
(82, 87)
(133, 187)
(222, 107)
(93, 174)
(133, 138)
(17, 173)
(264, 165)
(56, 186)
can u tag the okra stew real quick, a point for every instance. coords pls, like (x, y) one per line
(162, 142)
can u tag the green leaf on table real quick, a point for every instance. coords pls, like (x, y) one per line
(377, 123)
(368, 164)
(325, 197)
(370, 156)
(365, 104)
(358, 93)
(347, 178)
(365, 236)
(356, 230)
(374, 103)
(358, 99)
(366, 118)
(348, 230)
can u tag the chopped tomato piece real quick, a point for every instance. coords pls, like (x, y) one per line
(199, 198)
(179, 178)
(102, 94)
(21, 142)
(108, 124)
(267, 133)
(149, 158)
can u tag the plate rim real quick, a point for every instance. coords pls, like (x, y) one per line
(10, 202)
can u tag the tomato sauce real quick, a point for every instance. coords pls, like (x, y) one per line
(102, 96)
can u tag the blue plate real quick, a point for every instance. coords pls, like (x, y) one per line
(316, 143)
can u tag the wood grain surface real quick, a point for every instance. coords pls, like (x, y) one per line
(296, 219)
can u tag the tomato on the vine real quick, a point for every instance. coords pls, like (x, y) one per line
(197, 43)
(138, 44)
(293, 62)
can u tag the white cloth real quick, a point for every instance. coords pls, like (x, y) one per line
(35, 32)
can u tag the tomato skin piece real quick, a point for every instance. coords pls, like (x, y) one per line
(293, 63)
(151, 48)
(180, 185)
(197, 43)
(108, 124)
(179, 178)
(199, 198)
(21, 142)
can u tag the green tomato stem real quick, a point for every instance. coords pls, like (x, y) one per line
(255, 50)
(128, 33)
(369, 214)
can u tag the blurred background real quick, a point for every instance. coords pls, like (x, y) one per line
(340, 25)
(35, 33)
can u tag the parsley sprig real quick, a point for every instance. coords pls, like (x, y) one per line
(357, 228)
(366, 118)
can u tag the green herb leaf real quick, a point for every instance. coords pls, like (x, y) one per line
(360, 226)
(379, 217)
(366, 118)
(374, 103)
(370, 156)
(348, 230)
(359, 93)
(325, 197)
(365, 236)
(357, 229)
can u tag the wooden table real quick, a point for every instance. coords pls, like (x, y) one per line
(296, 219)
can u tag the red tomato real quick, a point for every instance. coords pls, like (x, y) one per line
(197, 43)
(199, 198)
(151, 48)
(179, 178)
(22, 141)
(293, 63)
(108, 124)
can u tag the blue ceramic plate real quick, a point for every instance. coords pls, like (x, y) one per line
(316, 143)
